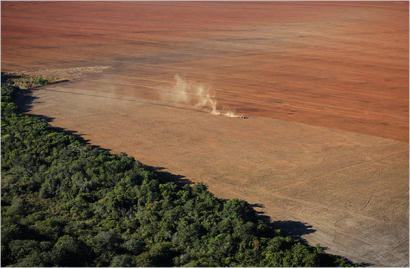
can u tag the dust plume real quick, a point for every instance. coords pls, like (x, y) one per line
(196, 95)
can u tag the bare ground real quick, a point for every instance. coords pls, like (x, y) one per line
(325, 86)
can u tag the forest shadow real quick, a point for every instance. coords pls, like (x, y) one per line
(296, 229)
(24, 100)
(293, 228)
(165, 176)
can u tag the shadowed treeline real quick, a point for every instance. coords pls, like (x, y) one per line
(68, 203)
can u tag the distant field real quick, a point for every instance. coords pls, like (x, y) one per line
(339, 65)
(325, 86)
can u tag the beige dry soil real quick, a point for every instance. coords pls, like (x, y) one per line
(324, 86)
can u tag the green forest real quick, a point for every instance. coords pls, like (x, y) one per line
(68, 203)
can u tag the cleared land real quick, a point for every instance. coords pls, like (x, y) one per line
(325, 86)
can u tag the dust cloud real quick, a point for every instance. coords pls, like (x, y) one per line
(196, 95)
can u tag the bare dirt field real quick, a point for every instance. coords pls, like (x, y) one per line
(325, 87)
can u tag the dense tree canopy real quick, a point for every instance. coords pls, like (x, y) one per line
(66, 203)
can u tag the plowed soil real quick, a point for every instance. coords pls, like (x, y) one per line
(325, 87)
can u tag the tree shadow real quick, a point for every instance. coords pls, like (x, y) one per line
(165, 176)
(24, 100)
(292, 228)
(257, 205)
(5, 77)
(296, 229)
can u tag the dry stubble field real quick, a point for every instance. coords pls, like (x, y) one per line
(325, 86)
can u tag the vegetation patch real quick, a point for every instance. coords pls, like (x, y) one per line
(66, 203)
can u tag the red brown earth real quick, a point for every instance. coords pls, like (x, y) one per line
(325, 86)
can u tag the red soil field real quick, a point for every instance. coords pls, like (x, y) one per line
(325, 86)
(339, 65)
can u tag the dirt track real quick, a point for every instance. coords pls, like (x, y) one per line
(325, 86)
